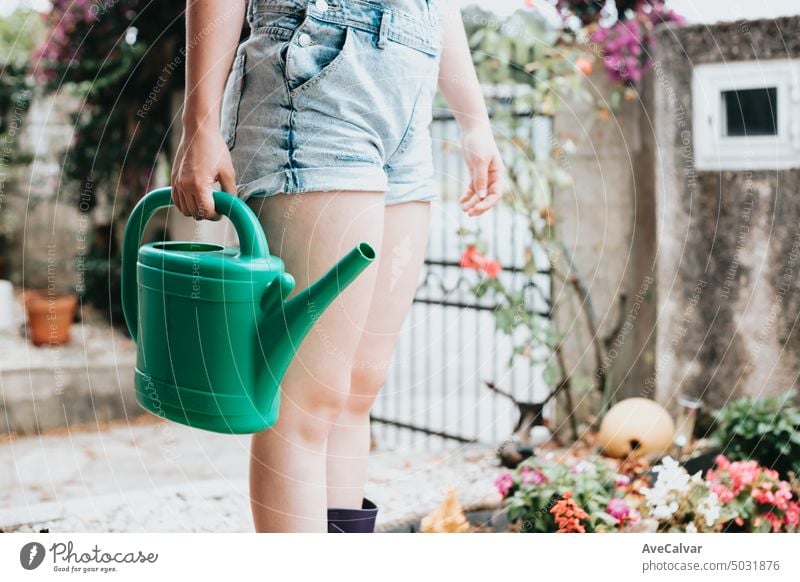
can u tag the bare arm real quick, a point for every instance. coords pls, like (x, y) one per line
(212, 35)
(460, 88)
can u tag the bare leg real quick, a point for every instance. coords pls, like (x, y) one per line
(310, 232)
(405, 238)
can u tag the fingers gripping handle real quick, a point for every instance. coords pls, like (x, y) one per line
(252, 242)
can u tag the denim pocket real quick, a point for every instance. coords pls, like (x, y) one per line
(314, 50)
(415, 34)
(408, 133)
(279, 24)
(229, 116)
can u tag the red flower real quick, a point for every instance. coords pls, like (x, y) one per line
(775, 521)
(792, 516)
(569, 514)
(472, 259)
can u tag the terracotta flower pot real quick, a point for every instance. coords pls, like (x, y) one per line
(50, 316)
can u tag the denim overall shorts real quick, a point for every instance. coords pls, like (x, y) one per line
(334, 95)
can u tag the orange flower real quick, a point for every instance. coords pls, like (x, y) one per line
(584, 65)
(569, 514)
(472, 259)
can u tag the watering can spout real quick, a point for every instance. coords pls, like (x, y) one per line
(286, 323)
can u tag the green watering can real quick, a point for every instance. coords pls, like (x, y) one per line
(213, 328)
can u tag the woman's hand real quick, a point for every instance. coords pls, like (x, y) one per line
(485, 170)
(459, 85)
(202, 159)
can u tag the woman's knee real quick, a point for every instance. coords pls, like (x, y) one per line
(367, 381)
(310, 416)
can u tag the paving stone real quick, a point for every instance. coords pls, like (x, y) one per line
(120, 480)
(88, 380)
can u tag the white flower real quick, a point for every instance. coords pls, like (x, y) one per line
(670, 490)
(671, 476)
(691, 528)
(709, 508)
(664, 512)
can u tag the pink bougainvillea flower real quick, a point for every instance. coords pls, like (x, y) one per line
(627, 44)
(532, 476)
(472, 259)
(504, 483)
(660, 13)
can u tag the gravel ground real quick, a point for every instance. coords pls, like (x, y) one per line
(163, 477)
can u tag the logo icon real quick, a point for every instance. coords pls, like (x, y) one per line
(31, 555)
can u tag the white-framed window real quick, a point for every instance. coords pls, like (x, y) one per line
(746, 115)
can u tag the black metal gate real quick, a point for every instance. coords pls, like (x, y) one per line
(435, 393)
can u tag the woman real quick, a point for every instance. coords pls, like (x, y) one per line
(319, 119)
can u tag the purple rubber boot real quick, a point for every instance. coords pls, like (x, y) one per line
(362, 520)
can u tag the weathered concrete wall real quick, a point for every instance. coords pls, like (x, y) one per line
(48, 226)
(728, 242)
(606, 220)
(90, 379)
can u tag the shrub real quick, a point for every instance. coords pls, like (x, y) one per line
(765, 430)
(755, 496)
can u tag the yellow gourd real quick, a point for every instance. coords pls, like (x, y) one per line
(636, 426)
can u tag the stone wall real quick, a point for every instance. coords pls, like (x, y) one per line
(728, 242)
(48, 227)
(606, 220)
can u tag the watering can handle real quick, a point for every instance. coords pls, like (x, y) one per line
(252, 242)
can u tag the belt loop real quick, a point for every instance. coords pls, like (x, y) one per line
(383, 34)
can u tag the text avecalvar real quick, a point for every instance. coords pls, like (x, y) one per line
(671, 549)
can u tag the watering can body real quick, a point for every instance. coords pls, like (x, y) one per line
(214, 328)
